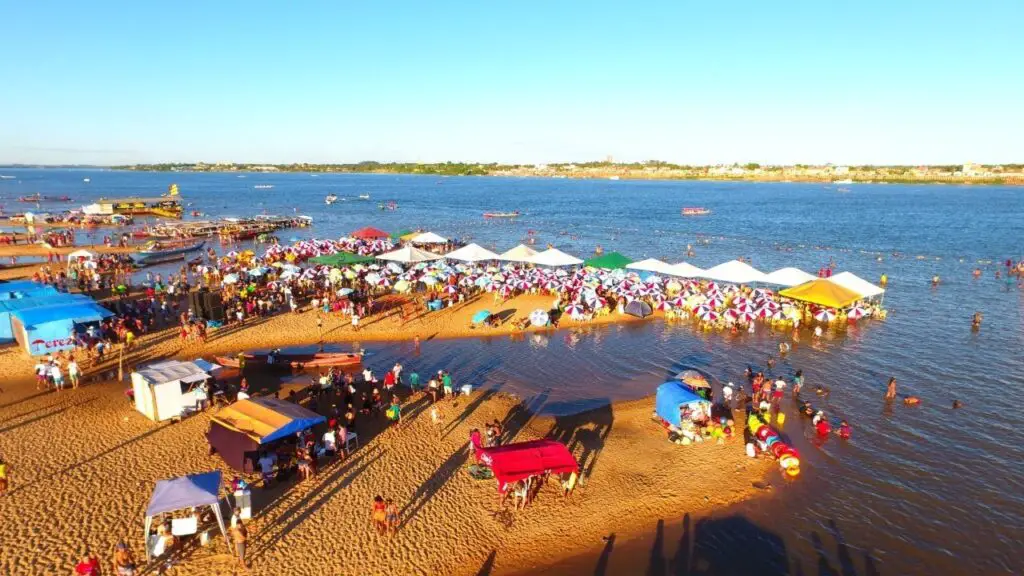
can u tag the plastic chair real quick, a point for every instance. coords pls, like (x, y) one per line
(351, 438)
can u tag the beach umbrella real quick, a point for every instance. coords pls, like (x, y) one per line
(673, 286)
(708, 315)
(575, 311)
(231, 279)
(344, 292)
(769, 304)
(693, 379)
(825, 315)
(743, 307)
(664, 306)
(451, 290)
(523, 285)
(402, 286)
(715, 301)
(481, 316)
(429, 280)
(482, 281)
(856, 313)
(746, 317)
(741, 300)
(762, 293)
(493, 287)
(372, 278)
(653, 279)
(383, 282)
(467, 281)
(712, 287)
(679, 301)
(539, 317)
(702, 309)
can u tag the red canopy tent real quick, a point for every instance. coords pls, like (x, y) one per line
(513, 462)
(370, 233)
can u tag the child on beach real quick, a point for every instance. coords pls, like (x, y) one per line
(379, 515)
(391, 516)
(4, 471)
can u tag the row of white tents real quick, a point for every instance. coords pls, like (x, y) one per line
(734, 271)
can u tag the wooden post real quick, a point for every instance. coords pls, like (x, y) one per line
(120, 364)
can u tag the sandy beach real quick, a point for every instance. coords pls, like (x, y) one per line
(84, 464)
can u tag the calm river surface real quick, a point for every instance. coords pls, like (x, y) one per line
(923, 490)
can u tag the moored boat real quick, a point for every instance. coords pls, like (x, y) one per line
(501, 214)
(158, 252)
(330, 199)
(336, 359)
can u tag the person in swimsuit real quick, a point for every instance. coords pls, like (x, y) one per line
(378, 514)
(124, 560)
(391, 516)
(890, 392)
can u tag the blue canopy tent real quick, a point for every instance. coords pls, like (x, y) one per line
(8, 307)
(24, 289)
(668, 399)
(190, 491)
(48, 329)
(481, 317)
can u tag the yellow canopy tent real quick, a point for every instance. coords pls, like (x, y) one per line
(822, 292)
(246, 425)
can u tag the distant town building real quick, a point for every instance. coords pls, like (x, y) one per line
(972, 169)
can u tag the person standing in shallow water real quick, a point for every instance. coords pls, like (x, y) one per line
(890, 392)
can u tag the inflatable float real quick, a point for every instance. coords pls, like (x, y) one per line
(769, 441)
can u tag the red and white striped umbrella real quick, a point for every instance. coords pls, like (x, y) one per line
(741, 300)
(451, 290)
(523, 285)
(746, 317)
(709, 316)
(712, 287)
(679, 302)
(825, 315)
(743, 307)
(575, 311)
(770, 304)
(715, 302)
(664, 306)
(702, 309)
(856, 313)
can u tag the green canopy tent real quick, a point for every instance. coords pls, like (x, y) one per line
(609, 261)
(398, 235)
(341, 259)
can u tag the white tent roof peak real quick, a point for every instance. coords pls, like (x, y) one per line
(428, 238)
(685, 270)
(83, 253)
(651, 265)
(789, 277)
(521, 253)
(735, 272)
(409, 255)
(855, 283)
(471, 253)
(554, 257)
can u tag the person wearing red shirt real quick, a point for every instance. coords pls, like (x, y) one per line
(89, 566)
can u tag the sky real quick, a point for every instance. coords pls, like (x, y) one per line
(868, 82)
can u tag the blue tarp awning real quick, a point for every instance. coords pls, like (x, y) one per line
(670, 396)
(481, 316)
(24, 289)
(185, 492)
(75, 312)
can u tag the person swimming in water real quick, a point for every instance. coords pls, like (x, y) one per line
(911, 400)
(890, 392)
(957, 404)
(976, 321)
(935, 280)
(844, 430)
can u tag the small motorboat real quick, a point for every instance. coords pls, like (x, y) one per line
(263, 186)
(364, 196)
(318, 359)
(695, 212)
(330, 199)
(390, 205)
(86, 180)
(501, 214)
(156, 253)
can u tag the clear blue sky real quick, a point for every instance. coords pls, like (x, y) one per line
(874, 81)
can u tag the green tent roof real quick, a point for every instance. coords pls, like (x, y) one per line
(401, 233)
(611, 261)
(341, 259)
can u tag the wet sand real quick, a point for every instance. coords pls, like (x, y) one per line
(84, 463)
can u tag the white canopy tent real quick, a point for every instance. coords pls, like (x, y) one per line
(471, 253)
(685, 270)
(428, 238)
(164, 390)
(734, 272)
(190, 491)
(554, 257)
(521, 253)
(409, 255)
(789, 277)
(88, 257)
(855, 283)
(651, 265)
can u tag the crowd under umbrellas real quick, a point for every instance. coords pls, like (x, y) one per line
(728, 295)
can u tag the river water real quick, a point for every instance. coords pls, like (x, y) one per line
(924, 490)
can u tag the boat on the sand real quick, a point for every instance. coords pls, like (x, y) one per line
(314, 360)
